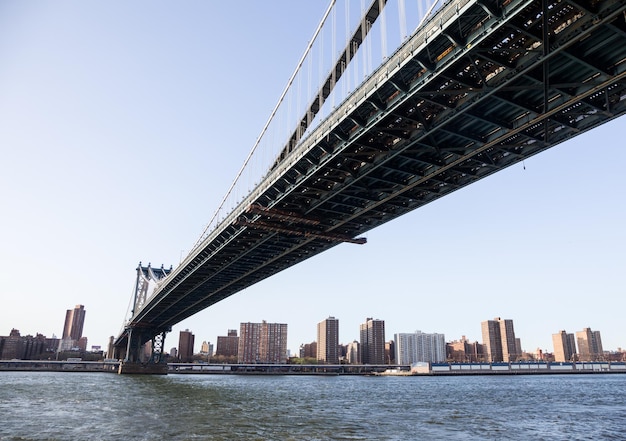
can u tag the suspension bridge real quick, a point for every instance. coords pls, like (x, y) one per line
(478, 86)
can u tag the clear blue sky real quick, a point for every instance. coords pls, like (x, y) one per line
(122, 124)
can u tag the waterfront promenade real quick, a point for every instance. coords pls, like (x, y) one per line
(424, 369)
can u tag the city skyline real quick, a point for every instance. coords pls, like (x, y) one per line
(331, 324)
(499, 344)
(118, 145)
(561, 342)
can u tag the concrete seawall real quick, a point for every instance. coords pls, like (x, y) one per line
(517, 368)
(417, 369)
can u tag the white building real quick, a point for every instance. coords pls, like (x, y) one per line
(420, 347)
(352, 353)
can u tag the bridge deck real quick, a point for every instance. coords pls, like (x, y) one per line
(474, 91)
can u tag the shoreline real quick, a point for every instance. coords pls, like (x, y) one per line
(417, 370)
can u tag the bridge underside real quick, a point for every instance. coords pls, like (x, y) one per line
(482, 86)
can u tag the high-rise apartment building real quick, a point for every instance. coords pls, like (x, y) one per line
(228, 345)
(589, 345)
(73, 328)
(74, 321)
(499, 340)
(372, 334)
(262, 343)
(273, 343)
(564, 346)
(185, 346)
(390, 352)
(420, 347)
(249, 343)
(596, 344)
(511, 346)
(518, 348)
(353, 351)
(206, 348)
(328, 340)
(492, 340)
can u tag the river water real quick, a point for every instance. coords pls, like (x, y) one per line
(104, 406)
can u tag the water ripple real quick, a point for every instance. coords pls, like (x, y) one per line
(101, 406)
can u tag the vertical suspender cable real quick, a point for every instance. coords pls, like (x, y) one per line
(546, 69)
(420, 11)
(309, 115)
(320, 72)
(383, 29)
(368, 51)
(364, 43)
(258, 140)
(298, 107)
(402, 19)
(432, 6)
(333, 50)
(288, 122)
(346, 79)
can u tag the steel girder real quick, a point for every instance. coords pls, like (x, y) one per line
(483, 85)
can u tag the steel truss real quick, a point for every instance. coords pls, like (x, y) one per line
(481, 86)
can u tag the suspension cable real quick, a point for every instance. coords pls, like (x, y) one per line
(427, 13)
(402, 19)
(271, 117)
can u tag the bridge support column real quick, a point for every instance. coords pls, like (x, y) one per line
(135, 361)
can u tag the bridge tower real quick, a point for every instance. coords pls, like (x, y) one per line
(143, 352)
